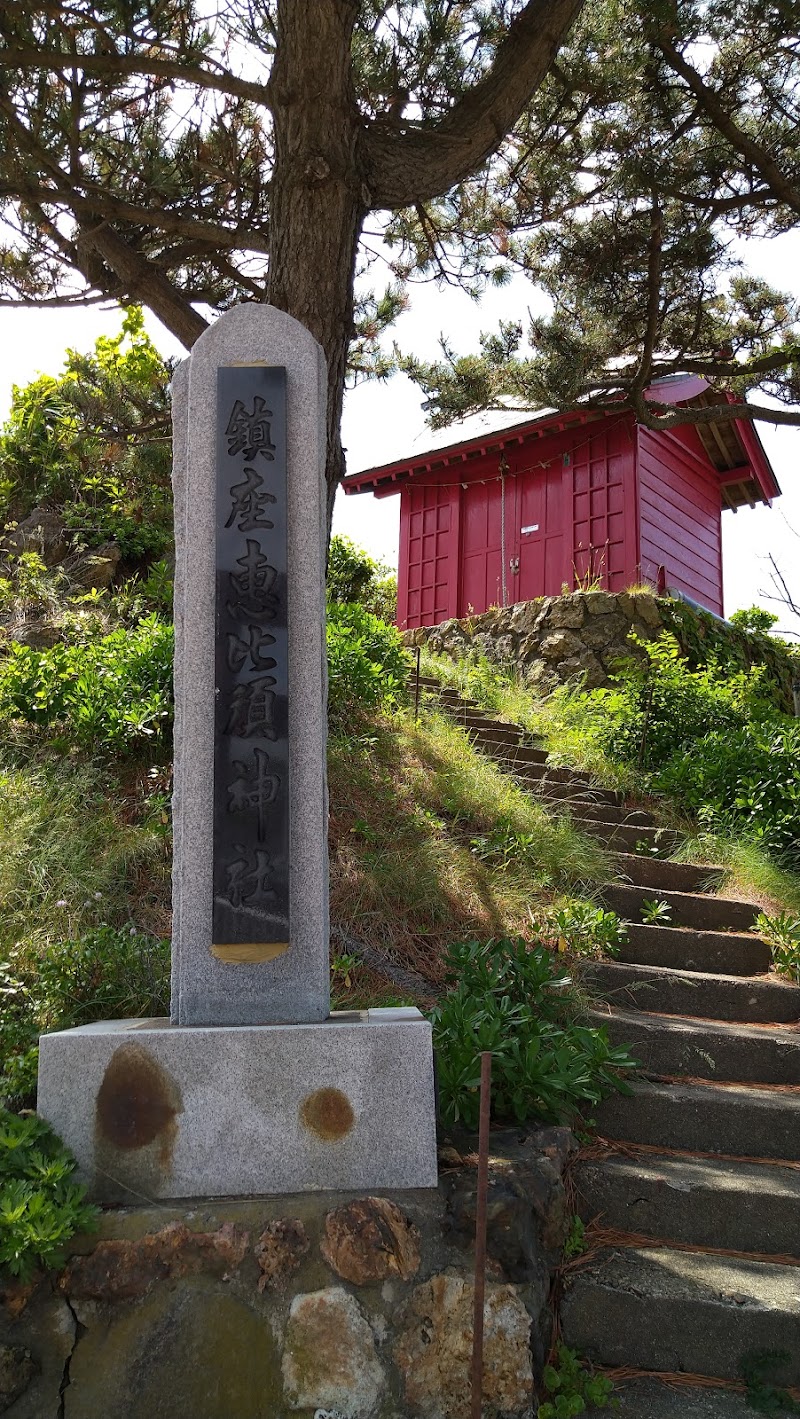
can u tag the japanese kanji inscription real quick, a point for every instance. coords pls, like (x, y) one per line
(251, 760)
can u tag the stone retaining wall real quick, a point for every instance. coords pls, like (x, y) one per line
(314, 1305)
(586, 634)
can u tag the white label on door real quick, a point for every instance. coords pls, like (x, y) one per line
(534, 527)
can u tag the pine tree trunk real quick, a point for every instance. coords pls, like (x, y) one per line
(316, 206)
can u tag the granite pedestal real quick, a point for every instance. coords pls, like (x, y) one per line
(154, 1111)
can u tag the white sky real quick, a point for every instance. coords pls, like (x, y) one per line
(385, 421)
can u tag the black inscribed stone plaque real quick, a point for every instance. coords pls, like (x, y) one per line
(251, 746)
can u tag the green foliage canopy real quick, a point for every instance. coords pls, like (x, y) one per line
(95, 442)
(328, 154)
(710, 739)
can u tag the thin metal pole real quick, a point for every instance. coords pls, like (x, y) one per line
(418, 652)
(476, 1373)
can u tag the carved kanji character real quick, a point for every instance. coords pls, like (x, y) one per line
(249, 503)
(254, 596)
(252, 708)
(249, 433)
(247, 879)
(255, 788)
(239, 649)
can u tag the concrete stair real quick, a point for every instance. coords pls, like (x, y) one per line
(690, 950)
(697, 993)
(656, 1308)
(702, 1158)
(686, 908)
(702, 1201)
(659, 876)
(738, 1119)
(656, 1399)
(707, 1049)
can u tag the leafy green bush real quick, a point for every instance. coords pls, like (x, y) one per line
(743, 781)
(782, 933)
(40, 1206)
(755, 619)
(585, 929)
(509, 997)
(355, 578)
(108, 973)
(656, 912)
(115, 691)
(710, 740)
(660, 707)
(573, 1388)
(94, 441)
(367, 665)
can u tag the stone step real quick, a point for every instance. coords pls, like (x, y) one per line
(705, 1118)
(617, 835)
(503, 735)
(517, 758)
(453, 703)
(582, 807)
(657, 1308)
(706, 1049)
(687, 908)
(722, 997)
(658, 1399)
(445, 696)
(685, 949)
(486, 725)
(575, 790)
(707, 1202)
(660, 875)
(569, 777)
(705, 912)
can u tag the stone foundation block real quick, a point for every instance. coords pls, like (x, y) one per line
(153, 1110)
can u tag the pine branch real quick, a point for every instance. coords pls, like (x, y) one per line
(709, 101)
(110, 65)
(403, 164)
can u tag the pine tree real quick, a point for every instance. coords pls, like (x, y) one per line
(281, 150)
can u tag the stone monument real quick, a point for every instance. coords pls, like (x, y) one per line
(252, 1086)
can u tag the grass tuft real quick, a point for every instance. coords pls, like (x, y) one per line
(68, 857)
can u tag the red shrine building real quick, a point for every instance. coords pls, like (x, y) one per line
(564, 500)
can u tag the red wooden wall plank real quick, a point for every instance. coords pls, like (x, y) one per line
(680, 517)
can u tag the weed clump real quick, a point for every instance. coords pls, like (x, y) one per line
(512, 999)
(41, 1207)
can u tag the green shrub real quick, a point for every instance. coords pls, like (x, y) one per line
(367, 665)
(510, 998)
(743, 781)
(782, 933)
(95, 442)
(114, 691)
(355, 578)
(41, 1208)
(573, 1389)
(712, 741)
(19, 1037)
(754, 619)
(107, 973)
(585, 929)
